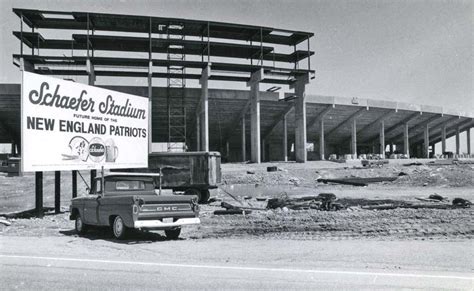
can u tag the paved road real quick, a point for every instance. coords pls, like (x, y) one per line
(78, 263)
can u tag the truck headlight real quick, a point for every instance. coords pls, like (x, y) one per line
(135, 209)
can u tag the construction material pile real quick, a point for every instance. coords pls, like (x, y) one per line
(329, 202)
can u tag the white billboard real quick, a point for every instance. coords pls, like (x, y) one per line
(72, 126)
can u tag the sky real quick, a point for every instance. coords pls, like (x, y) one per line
(415, 51)
(412, 51)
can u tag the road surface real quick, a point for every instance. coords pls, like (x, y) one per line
(71, 262)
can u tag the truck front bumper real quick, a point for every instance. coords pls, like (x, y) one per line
(158, 224)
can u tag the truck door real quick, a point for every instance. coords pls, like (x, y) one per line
(91, 204)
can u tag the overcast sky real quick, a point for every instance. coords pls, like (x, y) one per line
(411, 51)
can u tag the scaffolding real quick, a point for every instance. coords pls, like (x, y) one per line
(176, 84)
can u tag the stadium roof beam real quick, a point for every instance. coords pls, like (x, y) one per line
(133, 23)
(410, 118)
(416, 126)
(353, 116)
(460, 123)
(277, 120)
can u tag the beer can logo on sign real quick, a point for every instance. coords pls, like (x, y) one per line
(96, 150)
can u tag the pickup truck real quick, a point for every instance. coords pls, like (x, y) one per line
(129, 201)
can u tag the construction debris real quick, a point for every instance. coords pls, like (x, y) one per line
(261, 198)
(231, 212)
(358, 181)
(446, 162)
(413, 164)
(373, 163)
(436, 197)
(294, 181)
(323, 201)
(460, 202)
(5, 222)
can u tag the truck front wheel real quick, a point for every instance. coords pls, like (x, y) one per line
(80, 226)
(173, 233)
(118, 228)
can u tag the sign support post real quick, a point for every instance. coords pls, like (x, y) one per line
(39, 194)
(74, 183)
(57, 192)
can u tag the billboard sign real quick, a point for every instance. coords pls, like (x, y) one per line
(72, 126)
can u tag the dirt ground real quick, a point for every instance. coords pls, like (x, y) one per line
(252, 181)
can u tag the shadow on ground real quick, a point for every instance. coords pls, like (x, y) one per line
(132, 238)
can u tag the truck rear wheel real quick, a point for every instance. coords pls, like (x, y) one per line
(205, 194)
(173, 233)
(118, 228)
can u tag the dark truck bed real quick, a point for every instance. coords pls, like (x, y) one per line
(194, 173)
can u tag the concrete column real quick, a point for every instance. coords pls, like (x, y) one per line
(322, 143)
(285, 139)
(406, 141)
(300, 118)
(433, 148)
(263, 150)
(354, 138)
(391, 147)
(254, 84)
(244, 141)
(457, 142)
(443, 139)
(382, 138)
(426, 143)
(150, 107)
(468, 136)
(204, 108)
(227, 149)
(198, 133)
